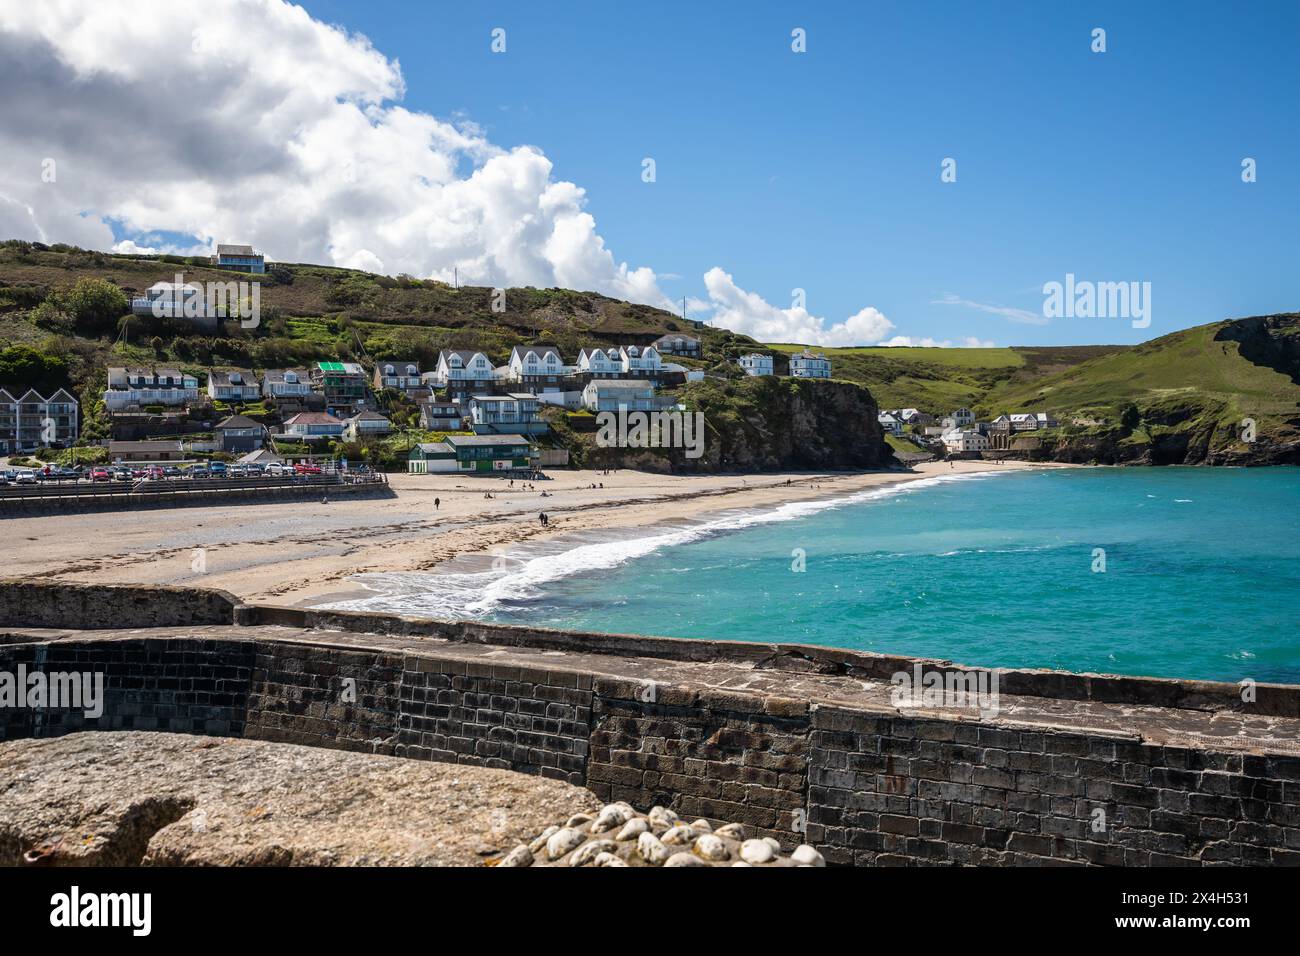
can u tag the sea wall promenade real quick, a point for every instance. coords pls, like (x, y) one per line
(802, 743)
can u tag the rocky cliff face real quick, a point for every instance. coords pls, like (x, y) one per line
(768, 424)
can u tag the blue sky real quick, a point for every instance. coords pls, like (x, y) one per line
(821, 170)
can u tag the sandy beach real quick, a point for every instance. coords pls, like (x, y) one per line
(305, 552)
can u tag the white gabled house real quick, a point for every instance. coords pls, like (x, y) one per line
(538, 367)
(600, 363)
(890, 424)
(233, 386)
(960, 440)
(285, 383)
(462, 372)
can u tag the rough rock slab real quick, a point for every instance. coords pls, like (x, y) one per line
(112, 799)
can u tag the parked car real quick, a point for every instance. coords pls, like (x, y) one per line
(217, 469)
(25, 476)
(121, 473)
(278, 468)
(303, 468)
(171, 471)
(100, 474)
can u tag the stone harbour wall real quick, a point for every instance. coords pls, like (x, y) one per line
(27, 603)
(799, 744)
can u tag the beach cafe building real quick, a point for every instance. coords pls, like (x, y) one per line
(472, 454)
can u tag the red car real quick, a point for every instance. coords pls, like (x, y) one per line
(100, 474)
(303, 468)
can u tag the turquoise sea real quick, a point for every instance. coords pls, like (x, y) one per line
(1201, 574)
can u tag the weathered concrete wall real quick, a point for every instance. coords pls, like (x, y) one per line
(34, 603)
(796, 742)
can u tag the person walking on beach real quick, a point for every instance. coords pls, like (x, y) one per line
(437, 503)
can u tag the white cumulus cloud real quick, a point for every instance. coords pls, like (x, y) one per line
(249, 121)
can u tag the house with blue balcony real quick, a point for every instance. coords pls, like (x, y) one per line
(239, 259)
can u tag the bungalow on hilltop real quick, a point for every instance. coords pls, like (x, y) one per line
(239, 258)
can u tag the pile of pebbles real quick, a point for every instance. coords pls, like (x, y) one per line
(620, 836)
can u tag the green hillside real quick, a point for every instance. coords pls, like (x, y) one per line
(937, 380)
(1189, 391)
(1178, 398)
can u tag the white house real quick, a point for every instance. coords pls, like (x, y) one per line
(1024, 422)
(807, 364)
(889, 423)
(756, 364)
(233, 386)
(638, 362)
(462, 371)
(512, 414)
(128, 387)
(282, 383)
(958, 440)
(609, 395)
(600, 363)
(184, 300)
(963, 417)
(1045, 420)
(538, 367)
(313, 426)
